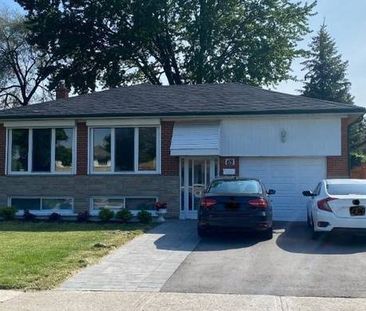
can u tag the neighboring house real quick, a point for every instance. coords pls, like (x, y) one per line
(130, 146)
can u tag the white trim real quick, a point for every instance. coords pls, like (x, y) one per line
(123, 122)
(136, 171)
(40, 123)
(30, 153)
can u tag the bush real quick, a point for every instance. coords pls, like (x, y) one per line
(145, 217)
(8, 212)
(105, 214)
(83, 216)
(54, 217)
(124, 215)
(28, 216)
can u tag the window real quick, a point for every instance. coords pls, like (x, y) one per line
(118, 203)
(102, 150)
(140, 203)
(147, 149)
(124, 150)
(42, 204)
(19, 150)
(113, 204)
(41, 150)
(235, 186)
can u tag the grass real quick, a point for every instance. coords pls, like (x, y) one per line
(41, 255)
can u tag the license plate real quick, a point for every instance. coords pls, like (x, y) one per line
(357, 210)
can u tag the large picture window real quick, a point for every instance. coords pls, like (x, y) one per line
(124, 150)
(41, 150)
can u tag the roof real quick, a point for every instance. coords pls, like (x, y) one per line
(179, 100)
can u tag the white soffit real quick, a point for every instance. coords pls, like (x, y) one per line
(40, 123)
(123, 122)
(195, 139)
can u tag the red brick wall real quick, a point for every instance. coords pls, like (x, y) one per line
(82, 149)
(169, 164)
(337, 167)
(223, 165)
(2, 149)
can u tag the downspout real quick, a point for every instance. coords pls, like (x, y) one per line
(348, 142)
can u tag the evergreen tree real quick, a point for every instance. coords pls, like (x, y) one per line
(326, 71)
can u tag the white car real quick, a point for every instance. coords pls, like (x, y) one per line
(337, 204)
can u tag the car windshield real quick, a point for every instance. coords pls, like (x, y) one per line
(235, 186)
(345, 189)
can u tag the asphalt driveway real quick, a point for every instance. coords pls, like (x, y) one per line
(289, 265)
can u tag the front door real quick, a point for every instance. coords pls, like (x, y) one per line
(195, 175)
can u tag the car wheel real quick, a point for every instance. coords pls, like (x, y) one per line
(308, 221)
(202, 232)
(268, 234)
(315, 234)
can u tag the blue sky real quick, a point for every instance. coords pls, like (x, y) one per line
(346, 23)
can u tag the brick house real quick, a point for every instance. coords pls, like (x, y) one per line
(130, 146)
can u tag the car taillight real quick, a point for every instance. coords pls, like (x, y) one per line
(324, 206)
(208, 202)
(261, 203)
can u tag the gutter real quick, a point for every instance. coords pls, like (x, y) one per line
(358, 110)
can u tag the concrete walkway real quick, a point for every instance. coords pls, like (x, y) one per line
(92, 301)
(144, 264)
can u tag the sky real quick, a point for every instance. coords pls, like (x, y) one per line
(346, 21)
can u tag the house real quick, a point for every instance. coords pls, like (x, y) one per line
(130, 146)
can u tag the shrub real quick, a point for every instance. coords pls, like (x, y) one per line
(124, 215)
(83, 216)
(8, 212)
(54, 217)
(145, 217)
(105, 214)
(28, 216)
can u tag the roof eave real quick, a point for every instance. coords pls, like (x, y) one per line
(353, 111)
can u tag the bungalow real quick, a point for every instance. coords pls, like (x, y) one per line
(131, 146)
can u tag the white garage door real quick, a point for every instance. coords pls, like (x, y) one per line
(289, 177)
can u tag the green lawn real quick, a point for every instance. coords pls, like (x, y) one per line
(41, 255)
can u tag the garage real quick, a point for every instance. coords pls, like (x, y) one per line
(289, 176)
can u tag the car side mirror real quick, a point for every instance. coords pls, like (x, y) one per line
(271, 191)
(307, 193)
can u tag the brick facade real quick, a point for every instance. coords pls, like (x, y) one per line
(82, 188)
(2, 149)
(338, 166)
(169, 164)
(82, 149)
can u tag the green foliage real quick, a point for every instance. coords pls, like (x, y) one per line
(325, 76)
(144, 217)
(119, 42)
(8, 212)
(54, 217)
(357, 158)
(23, 68)
(124, 215)
(105, 214)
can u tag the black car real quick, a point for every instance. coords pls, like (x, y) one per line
(236, 204)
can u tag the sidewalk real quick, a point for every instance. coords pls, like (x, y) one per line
(78, 301)
(143, 264)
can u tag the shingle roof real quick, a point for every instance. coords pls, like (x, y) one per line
(205, 99)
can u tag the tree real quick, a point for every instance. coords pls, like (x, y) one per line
(23, 69)
(326, 71)
(109, 43)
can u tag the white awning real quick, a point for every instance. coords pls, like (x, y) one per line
(195, 139)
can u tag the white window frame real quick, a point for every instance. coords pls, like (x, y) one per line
(136, 171)
(95, 211)
(45, 212)
(30, 151)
